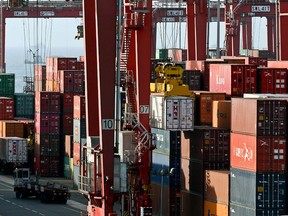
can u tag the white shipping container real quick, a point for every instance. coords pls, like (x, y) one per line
(13, 149)
(127, 146)
(171, 113)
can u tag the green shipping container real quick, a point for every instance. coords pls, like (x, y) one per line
(7, 85)
(24, 105)
(67, 168)
(162, 53)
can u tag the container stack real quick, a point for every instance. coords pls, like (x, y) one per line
(47, 133)
(7, 85)
(24, 105)
(258, 156)
(40, 78)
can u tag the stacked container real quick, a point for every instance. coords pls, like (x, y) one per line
(7, 85)
(24, 105)
(47, 133)
(205, 148)
(233, 79)
(6, 108)
(166, 171)
(40, 78)
(258, 156)
(192, 78)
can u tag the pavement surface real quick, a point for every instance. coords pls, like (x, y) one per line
(76, 201)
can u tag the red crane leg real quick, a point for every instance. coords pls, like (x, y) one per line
(200, 29)
(106, 54)
(191, 47)
(91, 79)
(283, 33)
(271, 35)
(247, 34)
(153, 42)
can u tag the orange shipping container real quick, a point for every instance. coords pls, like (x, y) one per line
(211, 208)
(11, 128)
(221, 117)
(76, 153)
(217, 184)
(204, 100)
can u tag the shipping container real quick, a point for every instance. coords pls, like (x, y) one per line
(239, 210)
(47, 102)
(258, 154)
(69, 146)
(49, 166)
(24, 105)
(67, 124)
(177, 55)
(171, 200)
(253, 60)
(203, 106)
(258, 190)
(76, 174)
(80, 65)
(277, 64)
(66, 80)
(272, 80)
(79, 82)
(67, 102)
(79, 110)
(213, 208)
(204, 67)
(265, 117)
(192, 78)
(47, 123)
(166, 166)
(76, 153)
(68, 172)
(234, 80)
(217, 186)
(207, 144)
(191, 204)
(79, 129)
(162, 54)
(6, 108)
(39, 85)
(39, 72)
(7, 85)
(171, 113)
(221, 114)
(127, 145)
(47, 145)
(28, 125)
(13, 149)
(11, 128)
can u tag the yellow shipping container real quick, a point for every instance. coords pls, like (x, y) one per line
(215, 209)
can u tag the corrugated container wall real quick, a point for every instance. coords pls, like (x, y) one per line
(13, 149)
(258, 190)
(171, 113)
(79, 107)
(47, 145)
(6, 108)
(217, 186)
(79, 129)
(11, 128)
(203, 106)
(192, 78)
(221, 114)
(47, 102)
(212, 208)
(7, 85)
(265, 117)
(69, 146)
(258, 154)
(24, 105)
(234, 80)
(272, 80)
(67, 102)
(47, 123)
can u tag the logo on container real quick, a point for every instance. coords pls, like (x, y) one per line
(219, 80)
(245, 153)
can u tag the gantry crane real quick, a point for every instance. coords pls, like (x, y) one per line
(97, 167)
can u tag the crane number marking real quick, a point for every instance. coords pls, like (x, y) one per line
(107, 124)
(20, 13)
(144, 109)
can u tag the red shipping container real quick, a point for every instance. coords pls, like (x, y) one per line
(272, 80)
(64, 63)
(258, 154)
(79, 82)
(79, 107)
(80, 65)
(76, 153)
(235, 80)
(66, 80)
(67, 124)
(81, 58)
(67, 102)
(6, 108)
(49, 166)
(262, 117)
(39, 72)
(47, 145)
(262, 62)
(49, 68)
(277, 64)
(47, 102)
(47, 123)
(204, 101)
